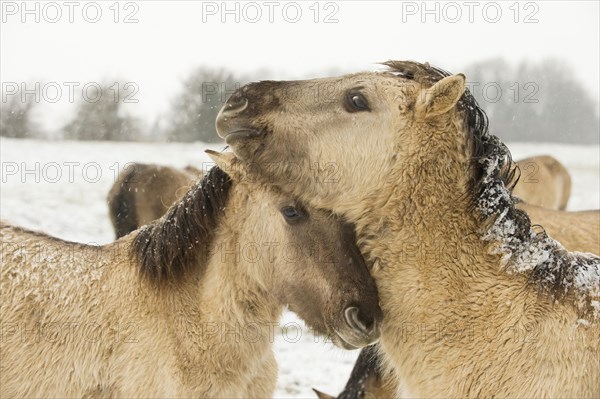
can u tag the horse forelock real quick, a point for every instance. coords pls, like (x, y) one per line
(493, 176)
(179, 241)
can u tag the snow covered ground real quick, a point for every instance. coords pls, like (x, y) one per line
(60, 187)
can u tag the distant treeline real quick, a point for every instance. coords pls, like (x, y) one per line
(527, 102)
(535, 102)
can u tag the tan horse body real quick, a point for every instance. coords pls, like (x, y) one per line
(184, 307)
(544, 182)
(476, 302)
(144, 192)
(577, 231)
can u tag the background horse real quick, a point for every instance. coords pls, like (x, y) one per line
(144, 192)
(544, 181)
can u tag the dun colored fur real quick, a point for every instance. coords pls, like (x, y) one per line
(184, 307)
(577, 231)
(477, 302)
(144, 192)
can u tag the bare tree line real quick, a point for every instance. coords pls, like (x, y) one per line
(535, 101)
(528, 102)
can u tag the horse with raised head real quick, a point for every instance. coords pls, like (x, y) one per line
(184, 307)
(144, 192)
(476, 301)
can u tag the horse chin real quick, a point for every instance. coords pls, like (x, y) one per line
(347, 339)
(325, 330)
(352, 341)
(341, 343)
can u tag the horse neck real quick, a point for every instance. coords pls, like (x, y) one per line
(225, 307)
(230, 281)
(427, 201)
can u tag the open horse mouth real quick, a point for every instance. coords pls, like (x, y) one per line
(233, 126)
(236, 121)
(238, 132)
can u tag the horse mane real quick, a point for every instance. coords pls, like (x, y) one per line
(493, 176)
(174, 244)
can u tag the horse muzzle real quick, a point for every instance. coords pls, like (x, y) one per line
(233, 126)
(359, 329)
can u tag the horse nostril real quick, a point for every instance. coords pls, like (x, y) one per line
(356, 322)
(236, 103)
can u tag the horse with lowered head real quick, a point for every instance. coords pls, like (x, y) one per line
(185, 306)
(477, 302)
(144, 192)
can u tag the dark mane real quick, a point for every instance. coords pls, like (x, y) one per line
(547, 263)
(175, 243)
(365, 374)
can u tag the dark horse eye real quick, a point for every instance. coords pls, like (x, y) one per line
(355, 102)
(292, 214)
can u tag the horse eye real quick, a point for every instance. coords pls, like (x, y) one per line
(292, 214)
(355, 101)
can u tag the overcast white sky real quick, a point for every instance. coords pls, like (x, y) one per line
(171, 38)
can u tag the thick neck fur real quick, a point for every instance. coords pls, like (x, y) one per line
(442, 214)
(223, 318)
(415, 200)
(208, 333)
(219, 315)
(456, 310)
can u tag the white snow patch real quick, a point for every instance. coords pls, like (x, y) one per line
(583, 322)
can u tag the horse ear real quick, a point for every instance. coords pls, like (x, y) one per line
(441, 97)
(322, 395)
(226, 161)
